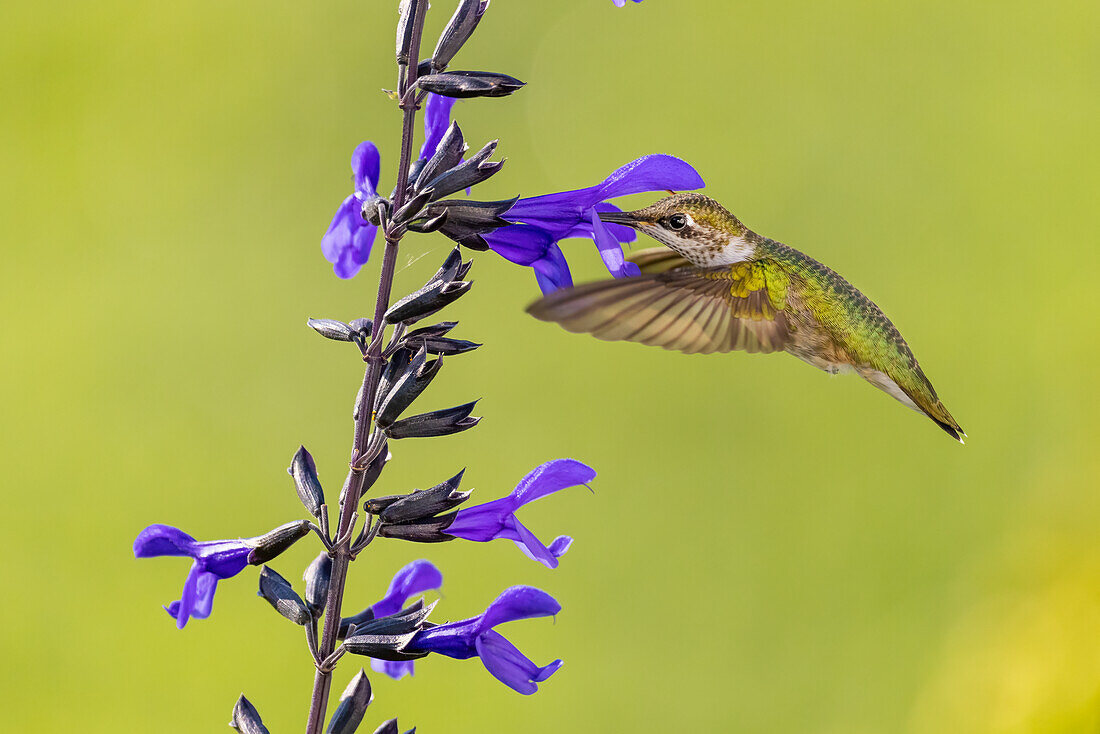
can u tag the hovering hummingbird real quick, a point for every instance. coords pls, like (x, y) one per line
(723, 287)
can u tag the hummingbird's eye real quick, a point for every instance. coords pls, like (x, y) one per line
(677, 221)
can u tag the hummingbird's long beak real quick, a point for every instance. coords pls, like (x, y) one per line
(629, 219)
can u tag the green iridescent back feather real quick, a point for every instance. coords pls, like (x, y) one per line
(852, 318)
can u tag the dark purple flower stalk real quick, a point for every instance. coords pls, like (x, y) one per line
(497, 519)
(542, 221)
(415, 578)
(476, 637)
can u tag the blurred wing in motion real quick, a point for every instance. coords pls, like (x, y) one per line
(687, 309)
(658, 260)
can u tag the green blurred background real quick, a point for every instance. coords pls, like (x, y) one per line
(768, 549)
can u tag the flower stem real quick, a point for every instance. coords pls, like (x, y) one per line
(353, 484)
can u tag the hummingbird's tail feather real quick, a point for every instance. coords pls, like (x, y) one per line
(939, 415)
(920, 396)
(954, 432)
(690, 310)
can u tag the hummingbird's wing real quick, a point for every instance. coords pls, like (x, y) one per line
(658, 260)
(691, 310)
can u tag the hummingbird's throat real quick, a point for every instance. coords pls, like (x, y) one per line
(704, 249)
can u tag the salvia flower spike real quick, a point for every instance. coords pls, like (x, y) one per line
(401, 362)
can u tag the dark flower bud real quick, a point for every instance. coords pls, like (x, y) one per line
(363, 326)
(476, 216)
(448, 154)
(466, 238)
(246, 719)
(465, 84)
(385, 638)
(375, 505)
(382, 647)
(444, 347)
(441, 329)
(389, 727)
(415, 168)
(412, 207)
(424, 225)
(463, 269)
(331, 329)
(406, 13)
(458, 31)
(409, 619)
(269, 545)
(304, 471)
(421, 531)
(374, 469)
(280, 594)
(316, 577)
(441, 290)
(427, 502)
(437, 423)
(354, 621)
(371, 211)
(469, 172)
(353, 704)
(395, 369)
(468, 220)
(403, 361)
(407, 389)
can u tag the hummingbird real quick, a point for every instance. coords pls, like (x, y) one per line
(719, 287)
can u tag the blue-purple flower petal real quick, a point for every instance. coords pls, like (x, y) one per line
(396, 669)
(551, 477)
(611, 252)
(348, 240)
(518, 602)
(365, 167)
(437, 118)
(510, 666)
(414, 578)
(654, 172)
(163, 540)
(552, 271)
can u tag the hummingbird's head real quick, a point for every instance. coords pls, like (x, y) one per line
(696, 226)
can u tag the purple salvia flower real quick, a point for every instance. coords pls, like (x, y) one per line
(475, 636)
(621, 3)
(542, 221)
(497, 519)
(213, 560)
(415, 578)
(348, 241)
